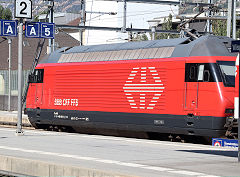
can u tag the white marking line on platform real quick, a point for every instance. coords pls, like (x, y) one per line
(172, 144)
(106, 161)
(158, 168)
(208, 176)
(190, 173)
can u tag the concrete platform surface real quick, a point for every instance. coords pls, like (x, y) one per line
(41, 153)
(11, 118)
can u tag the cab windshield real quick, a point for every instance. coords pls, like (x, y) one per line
(228, 72)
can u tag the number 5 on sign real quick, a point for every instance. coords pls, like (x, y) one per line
(47, 30)
(23, 9)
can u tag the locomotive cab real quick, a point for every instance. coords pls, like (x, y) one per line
(35, 94)
(209, 89)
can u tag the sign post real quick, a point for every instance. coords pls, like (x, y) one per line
(9, 72)
(23, 9)
(20, 56)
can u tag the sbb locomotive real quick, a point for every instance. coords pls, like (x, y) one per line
(175, 86)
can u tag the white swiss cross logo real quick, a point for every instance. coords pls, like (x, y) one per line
(143, 88)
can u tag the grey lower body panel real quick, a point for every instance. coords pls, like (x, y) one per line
(161, 123)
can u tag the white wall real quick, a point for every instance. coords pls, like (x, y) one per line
(137, 13)
(100, 37)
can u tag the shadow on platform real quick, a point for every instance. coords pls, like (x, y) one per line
(214, 152)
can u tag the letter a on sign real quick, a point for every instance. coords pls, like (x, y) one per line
(9, 30)
(33, 31)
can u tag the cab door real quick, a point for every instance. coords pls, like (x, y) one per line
(191, 95)
(39, 94)
(193, 74)
(36, 81)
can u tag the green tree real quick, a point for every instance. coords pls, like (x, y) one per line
(1, 11)
(5, 14)
(167, 25)
(219, 27)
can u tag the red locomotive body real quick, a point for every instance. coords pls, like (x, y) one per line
(155, 87)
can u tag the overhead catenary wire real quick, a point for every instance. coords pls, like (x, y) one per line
(113, 18)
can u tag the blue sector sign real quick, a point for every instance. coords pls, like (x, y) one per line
(8, 28)
(32, 30)
(40, 30)
(47, 30)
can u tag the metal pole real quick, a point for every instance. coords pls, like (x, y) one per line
(80, 37)
(50, 21)
(9, 72)
(82, 21)
(124, 16)
(229, 20)
(209, 25)
(20, 59)
(153, 32)
(234, 22)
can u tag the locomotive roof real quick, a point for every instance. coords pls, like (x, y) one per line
(180, 47)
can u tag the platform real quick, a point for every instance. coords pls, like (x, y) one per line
(41, 153)
(10, 118)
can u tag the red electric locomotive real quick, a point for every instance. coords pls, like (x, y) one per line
(175, 86)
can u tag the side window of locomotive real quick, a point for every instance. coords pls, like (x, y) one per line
(37, 76)
(227, 69)
(191, 70)
(199, 72)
